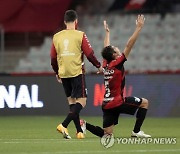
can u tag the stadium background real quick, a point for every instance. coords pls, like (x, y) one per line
(152, 69)
(32, 103)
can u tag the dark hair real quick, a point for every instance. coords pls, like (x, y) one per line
(70, 16)
(107, 53)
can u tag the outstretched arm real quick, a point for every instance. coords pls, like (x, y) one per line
(107, 34)
(139, 25)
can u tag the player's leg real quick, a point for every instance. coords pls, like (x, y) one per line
(70, 116)
(131, 105)
(62, 128)
(80, 104)
(96, 130)
(75, 109)
(110, 119)
(79, 92)
(140, 115)
(109, 130)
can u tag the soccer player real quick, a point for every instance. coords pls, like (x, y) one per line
(67, 52)
(114, 102)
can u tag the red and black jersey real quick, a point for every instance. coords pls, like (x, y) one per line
(114, 82)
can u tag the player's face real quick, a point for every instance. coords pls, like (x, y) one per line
(117, 52)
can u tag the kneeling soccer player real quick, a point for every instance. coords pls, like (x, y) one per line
(114, 80)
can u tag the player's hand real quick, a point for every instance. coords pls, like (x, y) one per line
(140, 21)
(106, 26)
(100, 70)
(58, 78)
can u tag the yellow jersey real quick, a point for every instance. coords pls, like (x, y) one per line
(68, 49)
(69, 55)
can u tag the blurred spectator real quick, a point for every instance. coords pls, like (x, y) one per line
(146, 6)
(164, 6)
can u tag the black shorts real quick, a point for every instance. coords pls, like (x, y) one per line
(75, 86)
(130, 106)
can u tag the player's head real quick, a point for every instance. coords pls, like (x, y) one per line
(110, 53)
(70, 16)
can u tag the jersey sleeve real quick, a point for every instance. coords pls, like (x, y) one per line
(53, 55)
(104, 63)
(88, 51)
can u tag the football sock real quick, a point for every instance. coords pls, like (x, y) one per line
(76, 121)
(77, 108)
(71, 106)
(141, 114)
(96, 130)
(73, 115)
(68, 119)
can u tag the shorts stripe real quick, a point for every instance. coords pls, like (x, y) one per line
(137, 105)
(83, 86)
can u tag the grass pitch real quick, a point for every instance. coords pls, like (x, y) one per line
(38, 135)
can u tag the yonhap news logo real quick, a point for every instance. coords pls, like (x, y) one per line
(108, 140)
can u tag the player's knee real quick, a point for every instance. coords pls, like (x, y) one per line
(108, 131)
(82, 101)
(71, 100)
(145, 103)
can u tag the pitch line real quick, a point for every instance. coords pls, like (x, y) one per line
(16, 141)
(107, 151)
(117, 151)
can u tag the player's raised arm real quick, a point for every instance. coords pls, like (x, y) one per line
(107, 34)
(139, 24)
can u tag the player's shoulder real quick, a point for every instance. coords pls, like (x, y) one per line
(55, 36)
(65, 32)
(120, 59)
(69, 31)
(79, 32)
(59, 33)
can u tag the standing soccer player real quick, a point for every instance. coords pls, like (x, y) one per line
(67, 52)
(114, 80)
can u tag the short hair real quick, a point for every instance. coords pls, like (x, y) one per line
(107, 53)
(70, 16)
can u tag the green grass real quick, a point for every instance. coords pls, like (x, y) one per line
(38, 135)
